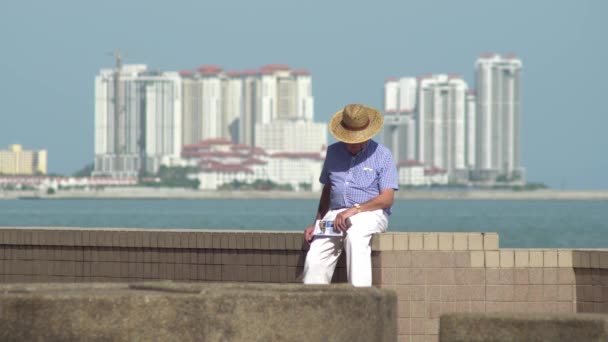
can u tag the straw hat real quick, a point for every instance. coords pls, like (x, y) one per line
(355, 123)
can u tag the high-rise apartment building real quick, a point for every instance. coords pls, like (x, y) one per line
(285, 94)
(137, 120)
(441, 123)
(498, 117)
(230, 104)
(426, 122)
(399, 135)
(471, 130)
(233, 90)
(17, 161)
(284, 111)
(143, 118)
(472, 134)
(292, 136)
(203, 104)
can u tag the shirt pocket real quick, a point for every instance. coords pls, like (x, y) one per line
(365, 177)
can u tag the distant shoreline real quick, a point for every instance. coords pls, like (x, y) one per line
(405, 194)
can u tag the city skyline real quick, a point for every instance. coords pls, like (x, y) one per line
(471, 131)
(145, 118)
(55, 51)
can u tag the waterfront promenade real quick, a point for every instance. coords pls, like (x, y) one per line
(431, 273)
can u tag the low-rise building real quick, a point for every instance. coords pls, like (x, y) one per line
(17, 161)
(220, 162)
(414, 173)
(45, 182)
(300, 170)
(436, 176)
(411, 173)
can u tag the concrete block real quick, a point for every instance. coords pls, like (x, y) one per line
(604, 260)
(523, 327)
(584, 260)
(385, 242)
(507, 258)
(461, 241)
(492, 259)
(564, 258)
(214, 312)
(522, 258)
(594, 259)
(430, 241)
(536, 258)
(490, 241)
(550, 258)
(446, 241)
(475, 241)
(225, 240)
(477, 259)
(400, 241)
(416, 241)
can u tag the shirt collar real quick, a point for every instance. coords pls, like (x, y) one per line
(370, 141)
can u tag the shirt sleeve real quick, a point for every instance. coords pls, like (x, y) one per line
(324, 177)
(388, 174)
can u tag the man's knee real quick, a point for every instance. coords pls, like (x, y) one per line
(357, 238)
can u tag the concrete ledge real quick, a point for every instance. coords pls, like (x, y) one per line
(523, 327)
(165, 311)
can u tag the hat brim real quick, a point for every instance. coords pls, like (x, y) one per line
(376, 120)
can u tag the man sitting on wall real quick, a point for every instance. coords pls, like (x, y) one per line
(360, 178)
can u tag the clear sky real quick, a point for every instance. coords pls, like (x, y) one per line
(52, 50)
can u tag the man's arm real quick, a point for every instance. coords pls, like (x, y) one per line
(321, 211)
(383, 200)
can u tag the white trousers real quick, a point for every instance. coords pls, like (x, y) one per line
(324, 252)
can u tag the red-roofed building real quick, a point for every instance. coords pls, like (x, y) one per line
(209, 70)
(301, 72)
(221, 162)
(234, 73)
(251, 72)
(273, 67)
(186, 73)
(487, 55)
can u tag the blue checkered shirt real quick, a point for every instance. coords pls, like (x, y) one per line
(359, 178)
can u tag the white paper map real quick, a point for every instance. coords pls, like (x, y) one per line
(326, 228)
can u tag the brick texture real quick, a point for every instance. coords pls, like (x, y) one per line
(432, 273)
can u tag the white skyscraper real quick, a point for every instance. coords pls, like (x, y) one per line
(230, 104)
(471, 130)
(233, 94)
(399, 133)
(391, 95)
(283, 109)
(498, 116)
(137, 120)
(441, 123)
(251, 106)
(285, 94)
(202, 104)
(291, 136)
(163, 112)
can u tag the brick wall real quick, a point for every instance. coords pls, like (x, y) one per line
(432, 273)
(119, 255)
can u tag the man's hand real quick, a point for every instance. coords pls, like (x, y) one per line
(308, 233)
(342, 221)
